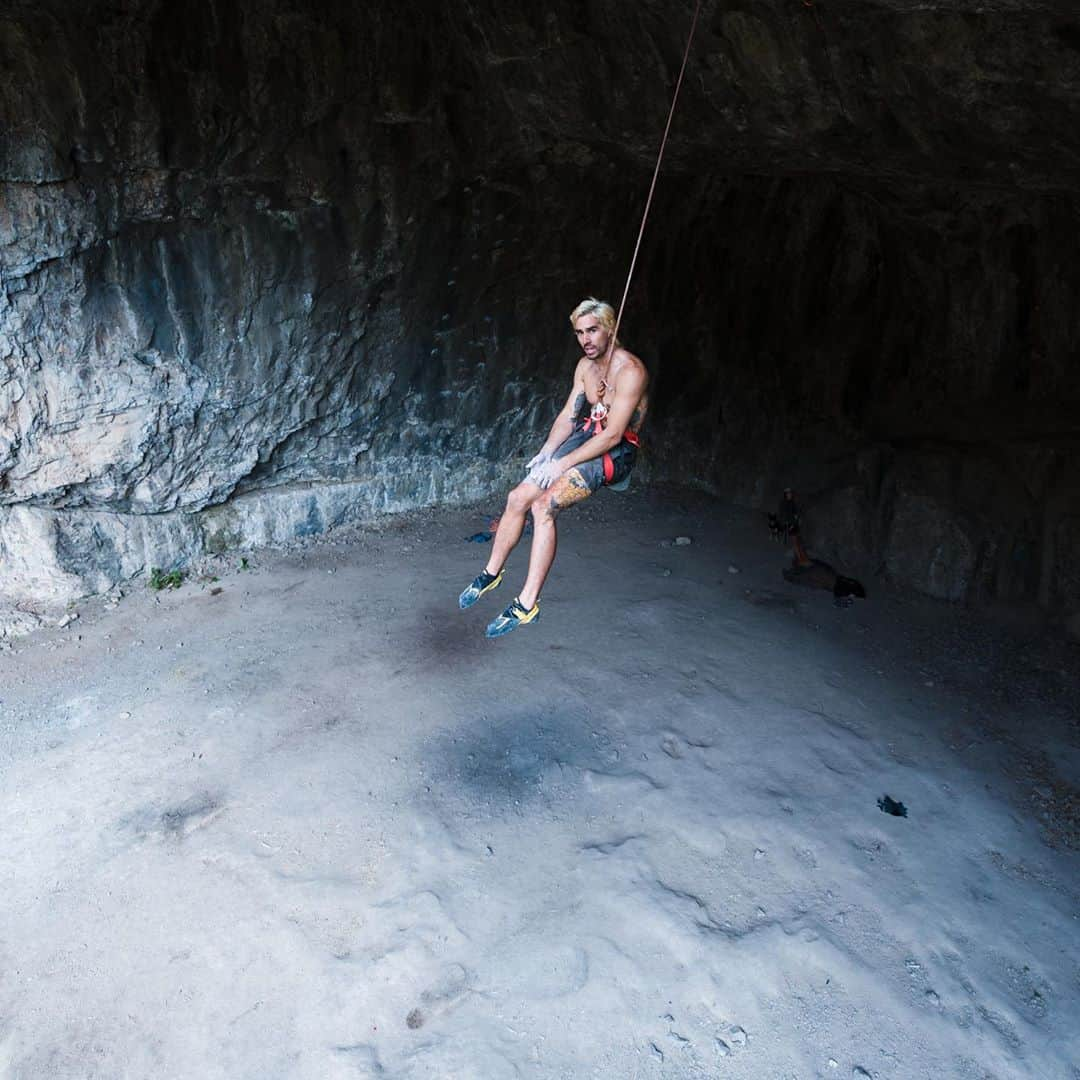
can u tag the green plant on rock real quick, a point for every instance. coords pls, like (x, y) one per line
(162, 579)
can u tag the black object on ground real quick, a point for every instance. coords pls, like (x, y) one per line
(784, 525)
(478, 538)
(815, 574)
(890, 806)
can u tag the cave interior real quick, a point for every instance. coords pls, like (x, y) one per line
(267, 268)
(284, 288)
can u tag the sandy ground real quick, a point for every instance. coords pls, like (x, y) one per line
(314, 825)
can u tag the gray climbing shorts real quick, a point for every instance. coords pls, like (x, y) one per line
(610, 468)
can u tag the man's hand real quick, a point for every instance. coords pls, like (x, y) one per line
(546, 474)
(538, 460)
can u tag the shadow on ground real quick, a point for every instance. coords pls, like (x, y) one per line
(500, 758)
(446, 637)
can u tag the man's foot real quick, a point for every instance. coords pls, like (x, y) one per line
(513, 617)
(483, 583)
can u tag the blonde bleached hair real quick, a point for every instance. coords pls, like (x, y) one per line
(591, 306)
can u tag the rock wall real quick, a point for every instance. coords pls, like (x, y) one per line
(268, 267)
(914, 375)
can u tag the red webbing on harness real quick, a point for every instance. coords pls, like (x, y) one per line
(594, 427)
(609, 465)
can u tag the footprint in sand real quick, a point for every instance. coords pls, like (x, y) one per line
(1029, 990)
(192, 814)
(671, 746)
(362, 1056)
(677, 746)
(675, 1036)
(608, 847)
(630, 784)
(735, 1039)
(177, 821)
(452, 983)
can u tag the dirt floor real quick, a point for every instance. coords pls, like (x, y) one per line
(298, 818)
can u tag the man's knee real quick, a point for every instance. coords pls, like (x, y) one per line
(545, 507)
(520, 498)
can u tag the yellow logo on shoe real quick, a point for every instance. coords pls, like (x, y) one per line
(514, 616)
(524, 616)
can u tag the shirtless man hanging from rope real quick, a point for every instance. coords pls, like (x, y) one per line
(593, 442)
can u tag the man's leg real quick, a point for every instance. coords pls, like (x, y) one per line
(568, 490)
(511, 524)
(572, 487)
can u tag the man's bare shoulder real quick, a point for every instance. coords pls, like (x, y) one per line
(630, 364)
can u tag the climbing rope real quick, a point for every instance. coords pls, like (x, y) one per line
(812, 7)
(648, 201)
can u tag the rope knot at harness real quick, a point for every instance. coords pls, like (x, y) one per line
(597, 416)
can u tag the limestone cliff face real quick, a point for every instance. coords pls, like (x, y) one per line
(267, 267)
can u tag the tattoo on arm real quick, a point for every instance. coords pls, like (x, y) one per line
(579, 404)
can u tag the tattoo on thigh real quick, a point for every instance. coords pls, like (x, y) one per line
(569, 490)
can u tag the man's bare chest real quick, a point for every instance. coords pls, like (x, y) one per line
(601, 387)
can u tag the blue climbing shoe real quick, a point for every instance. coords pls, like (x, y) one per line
(513, 617)
(484, 582)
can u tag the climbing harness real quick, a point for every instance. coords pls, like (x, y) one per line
(609, 463)
(648, 203)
